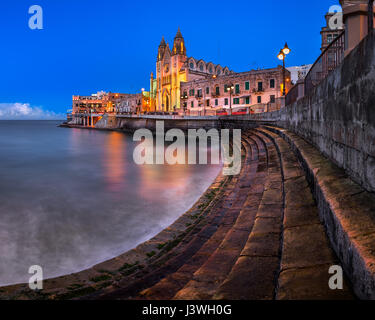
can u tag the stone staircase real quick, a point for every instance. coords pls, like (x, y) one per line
(261, 239)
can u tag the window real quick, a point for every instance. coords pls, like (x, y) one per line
(192, 104)
(201, 67)
(272, 99)
(210, 70)
(207, 103)
(237, 88)
(216, 102)
(247, 85)
(226, 101)
(236, 101)
(191, 92)
(217, 90)
(329, 38)
(191, 65)
(272, 83)
(247, 100)
(199, 92)
(218, 72)
(208, 90)
(260, 86)
(259, 99)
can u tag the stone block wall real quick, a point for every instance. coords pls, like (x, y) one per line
(339, 116)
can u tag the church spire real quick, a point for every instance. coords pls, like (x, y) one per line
(161, 49)
(179, 44)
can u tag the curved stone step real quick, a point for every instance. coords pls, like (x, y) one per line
(208, 278)
(167, 287)
(306, 252)
(253, 276)
(347, 210)
(217, 222)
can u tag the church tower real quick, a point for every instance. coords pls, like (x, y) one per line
(179, 59)
(179, 44)
(170, 73)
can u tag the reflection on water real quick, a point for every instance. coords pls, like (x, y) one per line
(114, 161)
(71, 198)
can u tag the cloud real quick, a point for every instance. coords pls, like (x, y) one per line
(23, 111)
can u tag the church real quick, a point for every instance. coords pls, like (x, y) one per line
(174, 67)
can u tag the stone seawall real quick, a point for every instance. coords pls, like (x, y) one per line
(339, 117)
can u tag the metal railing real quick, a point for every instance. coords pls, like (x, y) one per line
(292, 95)
(330, 58)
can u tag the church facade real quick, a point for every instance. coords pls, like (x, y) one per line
(174, 67)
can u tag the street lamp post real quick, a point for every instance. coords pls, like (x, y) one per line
(184, 98)
(230, 89)
(282, 54)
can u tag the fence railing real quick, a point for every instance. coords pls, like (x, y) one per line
(292, 95)
(330, 58)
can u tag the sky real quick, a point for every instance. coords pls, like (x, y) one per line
(87, 46)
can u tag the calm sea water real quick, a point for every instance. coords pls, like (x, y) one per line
(71, 198)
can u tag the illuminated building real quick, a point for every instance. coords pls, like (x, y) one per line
(256, 90)
(173, 67)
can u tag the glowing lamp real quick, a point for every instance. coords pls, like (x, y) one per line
(286, 49)
(281, 55)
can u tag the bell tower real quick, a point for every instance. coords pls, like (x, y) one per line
(178, 61)
(179, 44)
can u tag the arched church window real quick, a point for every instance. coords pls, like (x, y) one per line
(201, 67)
(191, 65)
(210, 70)
(218, 72)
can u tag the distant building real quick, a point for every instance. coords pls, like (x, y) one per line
(328, 34)
(184, 83)
(173, 67)
(252, 90)
(299, 72)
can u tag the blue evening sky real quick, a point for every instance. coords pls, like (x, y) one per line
(88, 45)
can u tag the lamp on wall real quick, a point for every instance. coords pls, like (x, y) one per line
(282, 54)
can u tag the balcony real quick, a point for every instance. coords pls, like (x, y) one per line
(258, 90)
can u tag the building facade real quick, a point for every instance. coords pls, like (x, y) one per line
(174, 67)
(329, 34)
(299, 72)
(253, 90)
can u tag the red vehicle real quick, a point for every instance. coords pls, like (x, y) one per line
(221, 112)
(239, 111)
